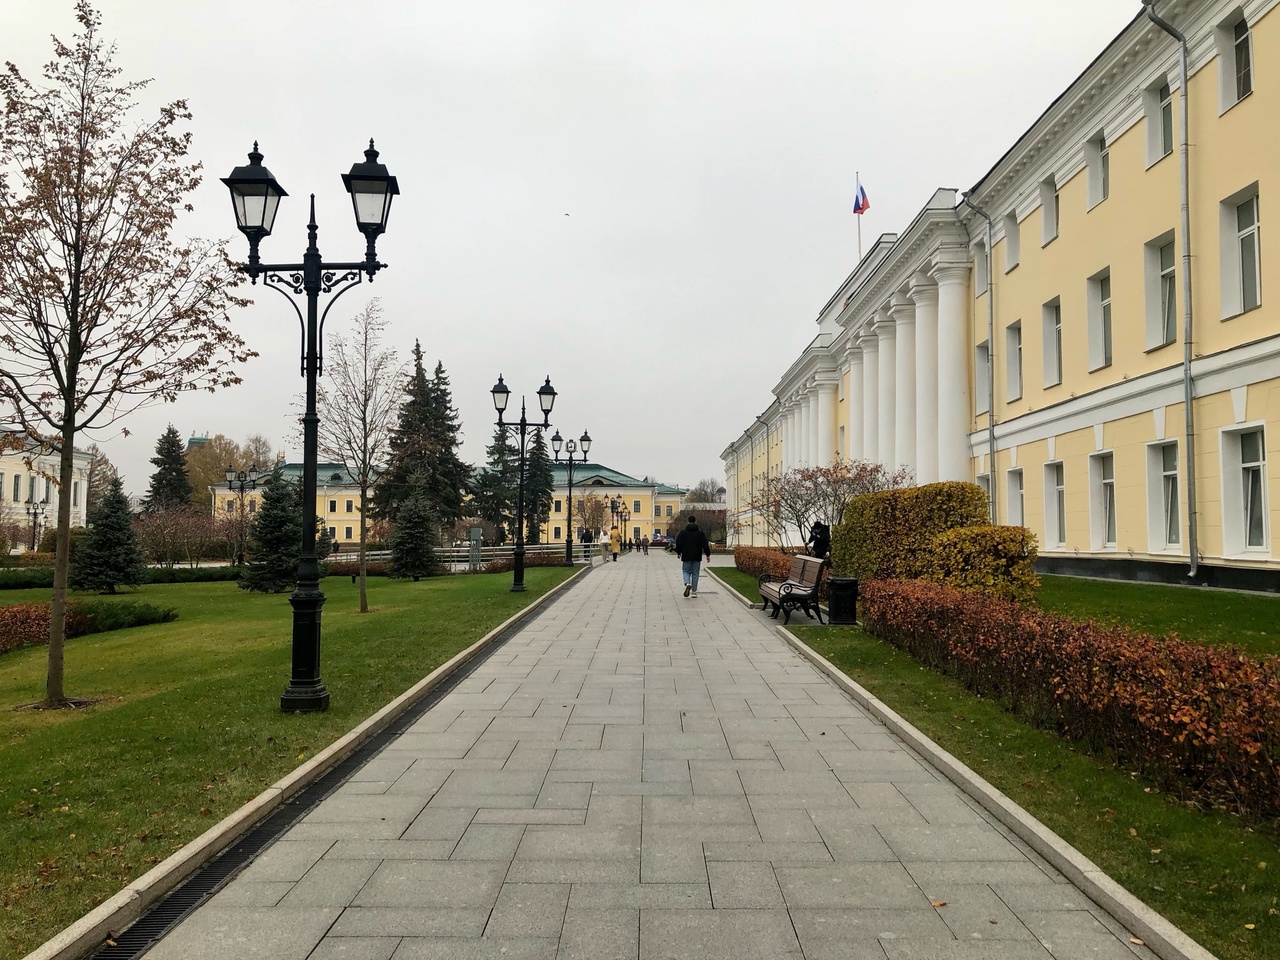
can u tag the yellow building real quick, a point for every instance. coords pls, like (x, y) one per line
(338, 502)
(650, 505)
(1037, 336)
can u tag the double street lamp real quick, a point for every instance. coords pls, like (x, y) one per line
(239, 482)
(35, 513)
(624, 517)
(521, 428)
(255, 197)
(570, 448)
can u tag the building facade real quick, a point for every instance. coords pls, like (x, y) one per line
(1036, 335)
(651, 505)
(29, 494)
(338, 503)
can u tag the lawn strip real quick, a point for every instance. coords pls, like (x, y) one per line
(91, 799)
(1209, 873)
(744, 583)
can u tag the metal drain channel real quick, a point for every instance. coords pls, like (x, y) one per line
(172, 909)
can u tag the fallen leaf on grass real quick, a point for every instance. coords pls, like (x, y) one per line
(1249, 926)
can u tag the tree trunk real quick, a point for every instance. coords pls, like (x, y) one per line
(364, 535)
(54, 695)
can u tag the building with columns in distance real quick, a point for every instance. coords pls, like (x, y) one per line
(651, 505)
(1032, 335)
(29, 494)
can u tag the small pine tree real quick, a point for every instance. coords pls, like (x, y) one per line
(539, 485)
(108, 557)
(495, 487)
(413, 548)
(169, 484)
(275, 539)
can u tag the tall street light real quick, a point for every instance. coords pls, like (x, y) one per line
(570, 448)
(615, 504)
(624, 517)
(255, 196)
(35, 513)
(238, 482)
(521, 428)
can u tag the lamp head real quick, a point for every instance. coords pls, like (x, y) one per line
(372, 188)
(255, 197)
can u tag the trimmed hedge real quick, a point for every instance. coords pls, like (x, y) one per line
(1200, 721)
(757, 561)
(996, 560)
(34, 558)
(507, 564)
(349, 568)
(27, 624)
(25, 579)
(191, 574)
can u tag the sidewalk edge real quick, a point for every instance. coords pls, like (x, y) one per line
(114, 915)
(1161, 936)
(733, 592)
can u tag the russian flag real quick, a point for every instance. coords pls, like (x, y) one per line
(860, 202)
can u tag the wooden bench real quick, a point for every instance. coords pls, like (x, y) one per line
(798, 589)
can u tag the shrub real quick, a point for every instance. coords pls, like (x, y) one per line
(27, 624)
(349, 568)
(25, 579)
(506, 564)
(105, 615)
(33, 558)
(1201, 721)
(191, 574)
(995, 560)
(757, 561)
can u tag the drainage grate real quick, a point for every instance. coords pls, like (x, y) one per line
(172, 909)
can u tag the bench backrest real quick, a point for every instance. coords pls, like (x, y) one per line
(796, 573)
(810, 571)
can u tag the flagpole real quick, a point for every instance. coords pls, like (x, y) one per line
(857, 179)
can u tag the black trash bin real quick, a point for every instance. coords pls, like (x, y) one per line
(842, 600)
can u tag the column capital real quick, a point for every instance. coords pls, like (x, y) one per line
(951, 272)
(868, 341)
(902, 309)
(885, 329)
(924, 293)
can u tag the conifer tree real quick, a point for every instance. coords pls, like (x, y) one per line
(495, 488)
(413, 552)
(108, 557)
(275, 541)
(169, 484)
(450, 477)
(539, 485)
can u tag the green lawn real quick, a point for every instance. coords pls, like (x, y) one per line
(1209, 873)
(1251, 620)
(744, 583)
(190, 727)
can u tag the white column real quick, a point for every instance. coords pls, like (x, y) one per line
(888, 392)
(953, 370)
(815, 444)
(870, 397)
(903, 312)
(853, 399)
(826, 423)
(925, 296)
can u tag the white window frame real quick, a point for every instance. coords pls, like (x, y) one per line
(1234, 532)
(1097, 160)
(1154, 277)
(1012, 240)
(17, 488)
(1161, 484)
(1013, 361)
(1015, 491)
(1228, 47)
(1102, 500)
(559, 506)
(1230, 242)
(555, 533)
(333, 533)
(983, 480)
(1050, 210)
(1, 485)
(75, 493)
(1051, 325)
(982, 378)
(346, 533)
(979, 268)
(1055, 505)
(1100, 327)
(1157, 107)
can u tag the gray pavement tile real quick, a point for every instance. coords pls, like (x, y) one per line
(787, 826)
(630, 788)
(703, 934)
(440, 823)
(712, 779)
(533, 758)
(447, 798)
(579, 843)
(850, 886)
(246, 893)
(654, 769)
(529, 910)
(613, 811)
(1042, 896)
(980, 950)
(803, 783)
(564, 796)
(741, 885)
(508, 815)
(827, 932)
(501, 782)
(489, 841)
(933, 876)
(364, 788)
(492, 746)
(673, 861)
(573, 760)
(941, 803)
(391, 850)
(964, 842)
(437, 883)
(575, 871)
(612, 934)
(286, 859)
(347, 809)
(355, 948)
(330, 832)
(410, 921)
(697, 810)
(247, 933)
(385, 767)
(330, 883)
(662, 833)
(850, 835)
(974, 912)
(488, 948)
(772, 852)
(1074, 934)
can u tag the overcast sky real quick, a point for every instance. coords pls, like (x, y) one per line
(649, 202)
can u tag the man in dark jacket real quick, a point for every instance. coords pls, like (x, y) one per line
(691, 545)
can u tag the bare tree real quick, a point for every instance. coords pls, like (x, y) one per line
(198, 531)
(358, 408)
(793, 500)
(258, 449)
(102, 309)
(591, 511)
(160, 535)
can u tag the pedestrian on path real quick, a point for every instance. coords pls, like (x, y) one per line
(691, 545)
(644, 545)
(615, 542)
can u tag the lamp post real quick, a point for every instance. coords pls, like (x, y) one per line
(570, 448)
(546, 400)
(255, 197)
(238, 482)
(614, 505)
(624, 517)
(35, 513)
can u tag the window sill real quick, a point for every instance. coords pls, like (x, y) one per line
(1161, 346)
(1098, 369)
(1046, 243)
(1240, 313)
(1009, 270)
(1152, 164)
(1249, 554)
(1233, 104)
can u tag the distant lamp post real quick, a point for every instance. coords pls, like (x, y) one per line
(614, 505)
(35, 513)
(521, 428)
(239, 482)
(624, 517)
(570, 449)
(255, 197)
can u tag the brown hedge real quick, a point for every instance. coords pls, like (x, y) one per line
(1200, 721)
(757, 561)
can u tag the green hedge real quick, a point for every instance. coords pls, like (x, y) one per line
(996, 560)
(25, 578)
(27, 624)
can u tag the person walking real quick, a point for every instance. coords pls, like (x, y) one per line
(644, 546)
(615, 542)
(691, 545)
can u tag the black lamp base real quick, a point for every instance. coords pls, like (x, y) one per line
(313, 699)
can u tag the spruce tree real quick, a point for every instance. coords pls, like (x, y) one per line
(275, 540)
(169, 484)
(495, 488)
(449, 478)
(108, 557)
(413, 550)
(539, 485)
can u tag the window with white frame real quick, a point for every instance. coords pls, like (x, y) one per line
(1052, 328)
(1168, 294)
(1103, 515)
(351, 506)
(1012, 240)
(1240, 229)
(1244, 490)
(1161, 285)
(981, 368)
(635, 506)
(1017, 511)
(346, 533)
(668, 509)
(17, 487)
(1049, 210)
(1100, 320)
(979, 268)
(1055, 504)
(1098, 162)
(333, 533)
(333, 506)
(1013, 361)
(48, 489)
(559, 507)
(1252, 473)
(657, 509)
(555, 533)
(1158, 108)
(231, 506)
(75, 493)
(984, 481)
(1164, 519)
(1234, 42)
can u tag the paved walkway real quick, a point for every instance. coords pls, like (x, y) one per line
(637, 775)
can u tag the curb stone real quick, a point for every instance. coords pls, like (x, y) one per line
(1157, 933)
(733, 592)
(116, 914)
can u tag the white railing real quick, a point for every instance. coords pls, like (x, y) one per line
(459, 556)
